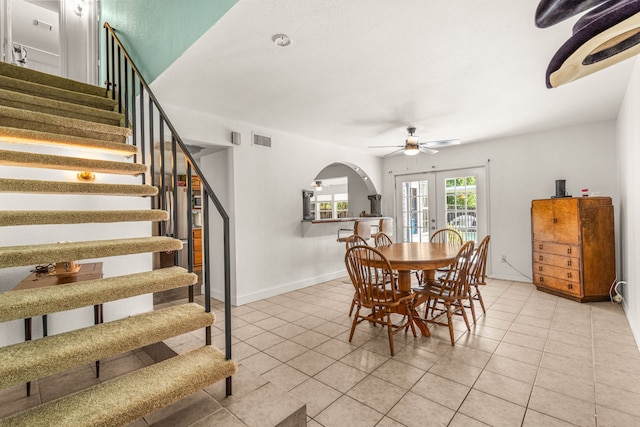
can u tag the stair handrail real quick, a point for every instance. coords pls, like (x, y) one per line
(113, 84)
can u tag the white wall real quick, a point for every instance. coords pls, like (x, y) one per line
(271, 255)
(628, 128)
(521, 168)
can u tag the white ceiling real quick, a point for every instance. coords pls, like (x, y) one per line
(358, 72)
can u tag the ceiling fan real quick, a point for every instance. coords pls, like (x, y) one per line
(412, 146)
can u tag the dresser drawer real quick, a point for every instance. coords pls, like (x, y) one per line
(561, 285)
(555, 248)
(567, 274)
(556, 260)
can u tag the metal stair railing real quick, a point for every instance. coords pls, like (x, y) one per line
(132, 92)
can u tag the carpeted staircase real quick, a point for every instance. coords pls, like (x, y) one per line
(38, 110)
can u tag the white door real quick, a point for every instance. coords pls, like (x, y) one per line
(429, 201)
(53, 36)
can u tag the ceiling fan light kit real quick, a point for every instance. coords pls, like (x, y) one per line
(412, 145)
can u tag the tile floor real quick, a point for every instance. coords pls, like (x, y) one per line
(532, 360)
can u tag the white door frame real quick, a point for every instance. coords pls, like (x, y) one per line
(437, 202)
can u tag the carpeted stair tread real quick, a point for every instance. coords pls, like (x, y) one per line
(9, 185)
(39, 358)
(27, 136)
(9, 98)
(25, 303)
(57, 94)
(134, 395)
(13, 218)
(41, 122)
(15, 256)
(34, 76)
(48, 161)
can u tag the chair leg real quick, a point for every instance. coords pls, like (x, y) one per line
(355, 322)
(480, 299)
(473, 309)
(464, 315)
(450, 322)
(353, 303)
(390, 333)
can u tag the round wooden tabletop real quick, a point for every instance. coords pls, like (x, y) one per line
(419, 255)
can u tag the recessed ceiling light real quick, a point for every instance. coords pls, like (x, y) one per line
(281, 40)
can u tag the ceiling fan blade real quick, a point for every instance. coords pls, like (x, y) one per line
(395, 152)
(440, 143)
(427, 150)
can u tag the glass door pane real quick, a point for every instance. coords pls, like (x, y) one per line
(414, 206)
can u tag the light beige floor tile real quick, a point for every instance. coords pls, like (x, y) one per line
(567, 365)
(290, 315)
(521, 354)
(364, 360)
(608, 417)
(533, 320)
(619, 376)
(488, 332)
(494, 322)
(618, 399)
(246, 332)
(260, 363)
(254, 316)
(414, 410)
(376, 393)
(560, 382)
(492, 410)
(416, 357)
(472, 356)
(506, 388)
(340, 376)
(563, 407)
(512, 368)
(266, 406)
(270, 323)
(184, 412)
(441, 390)
(242, 350)
(348, 411)
(285, 377)
(461, 420)
(331, 329)
(524, 340)
(457, 371)
(122, 365)
(494, 313)
(399, 373)
(335, 349)
(289, 331)
(219, 418)
(243, 382)
(311, 362)
(286, 350)
(316, 395)
(264, 340)
(310, 339)
(387, 422)
(583, 354)
(480, 343)
(532, 331)
(536, 419)
(571, 339)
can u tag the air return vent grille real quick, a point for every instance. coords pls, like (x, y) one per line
(258, 139)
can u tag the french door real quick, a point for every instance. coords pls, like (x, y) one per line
(429, 201)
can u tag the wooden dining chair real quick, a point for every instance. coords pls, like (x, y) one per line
(369, 270)
(444, 235)
(448, 293)
(351, 241)
(382, 239)
(478, 275)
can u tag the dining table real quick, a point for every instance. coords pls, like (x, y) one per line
(418, 256)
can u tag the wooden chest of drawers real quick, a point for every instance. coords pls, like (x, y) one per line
(573, 247)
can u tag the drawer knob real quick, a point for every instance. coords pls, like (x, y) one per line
(569, 263)
(569, 275)
(569, 250)
(540, 246)
(540, 258)
(539, 268)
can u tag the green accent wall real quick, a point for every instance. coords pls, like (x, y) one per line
(157, 32)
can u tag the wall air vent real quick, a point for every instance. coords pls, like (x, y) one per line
(257, 139)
